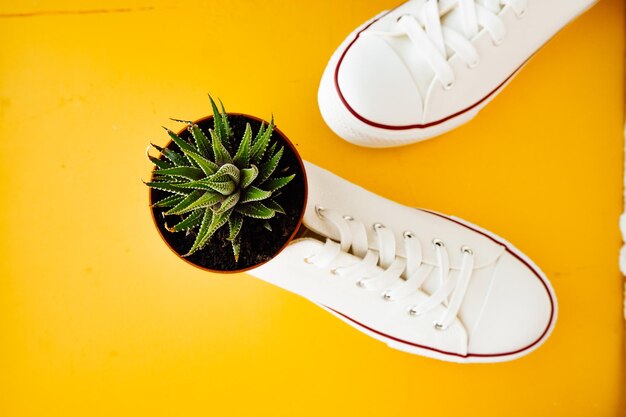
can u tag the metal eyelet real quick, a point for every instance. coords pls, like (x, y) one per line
(386, 296)
(377, 226)
(438, 243)
(334, 271)
(448, 86)
(360, 283)
(307, 260)
(413, 312)
(408, 235)
(474, 64)
(439, 326)
(467, 250)
(348, 218)
(319, 210)
(401, 16)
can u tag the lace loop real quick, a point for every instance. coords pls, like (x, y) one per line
(400, 276)
(433, 37)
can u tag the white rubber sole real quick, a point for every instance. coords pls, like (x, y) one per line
(350, 128)
(415, 350)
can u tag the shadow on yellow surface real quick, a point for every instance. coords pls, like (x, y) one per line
(98, 317)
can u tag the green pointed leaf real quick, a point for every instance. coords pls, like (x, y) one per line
(165, 186)
(160, 163)
(208, 167)
(201, 237)
(227, 129)
(222, 187)
(236, 245)
(227, 172)
(191, 173)
(181, 207)
(221, 153)
(157, 147)
(276, 183)
(208, 199)
(228, 203)
(255, 210)
(254, 194)
(169, 201)
(259, 133)
(268, 168)
(260, 145)
(182, 144)
(248, 175)
(187, 122)
(202, 141)
(189, 222)
(272, 149)
(219, 220)
(165, 178)
(235, 224)
(176, 158)
(271, 203)
(218, 125)
(202, 184)
(242, 157)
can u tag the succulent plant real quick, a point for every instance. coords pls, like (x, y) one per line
(219, 180)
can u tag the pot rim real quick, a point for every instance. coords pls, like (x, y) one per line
(288, 142)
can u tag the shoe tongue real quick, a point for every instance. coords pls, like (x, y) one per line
(331, 192)
(453, 19)
(451, 15)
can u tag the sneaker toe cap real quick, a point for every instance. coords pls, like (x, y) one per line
(375, 84)
(518, 313)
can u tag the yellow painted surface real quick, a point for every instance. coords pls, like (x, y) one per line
(99, 318)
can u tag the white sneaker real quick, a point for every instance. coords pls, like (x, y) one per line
(428, 66)
(419, 281)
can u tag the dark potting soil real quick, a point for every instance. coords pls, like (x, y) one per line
(257, 243)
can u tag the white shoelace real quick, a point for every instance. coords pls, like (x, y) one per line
(400, 277)
(434, 39)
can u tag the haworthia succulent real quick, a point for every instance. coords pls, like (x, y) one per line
(219, 179)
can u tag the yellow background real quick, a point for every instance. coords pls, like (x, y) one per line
(99, 318)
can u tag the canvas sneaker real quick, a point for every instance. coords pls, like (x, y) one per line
(420, 281)
(428, 66)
